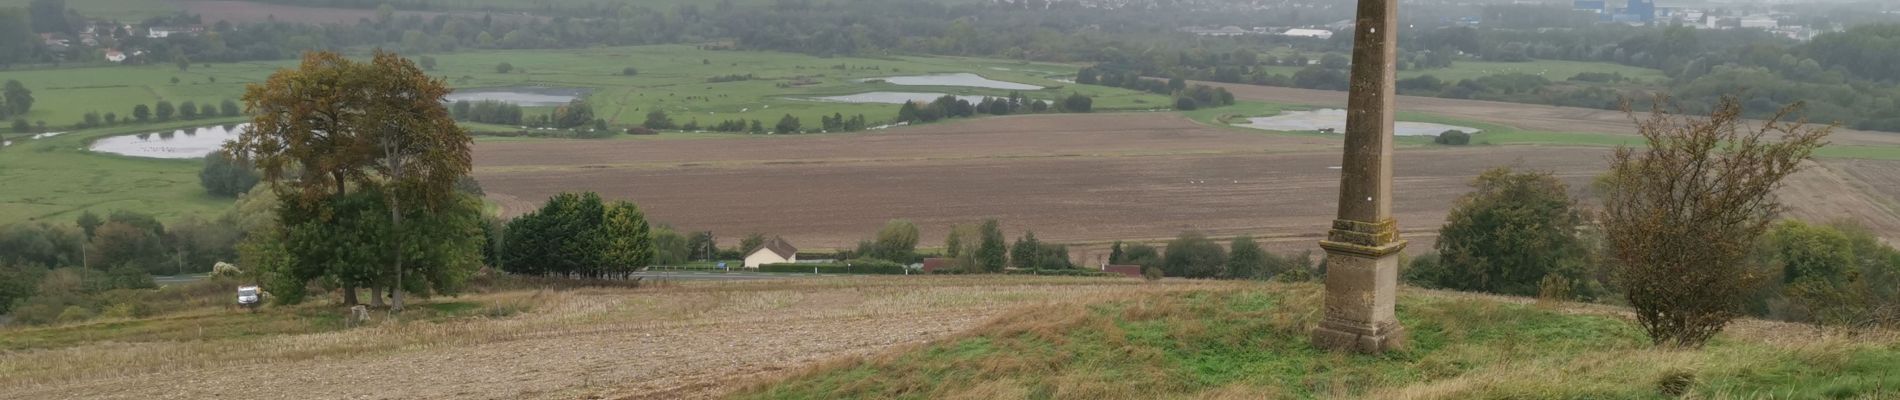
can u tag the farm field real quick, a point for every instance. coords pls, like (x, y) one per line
(670, 77)
(54, 178)
(1554, 70)
(1070, 178)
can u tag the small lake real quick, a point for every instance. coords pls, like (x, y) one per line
(891, 97)
(182, 143)
(525, 96)
(964, 79)
(1333, 118)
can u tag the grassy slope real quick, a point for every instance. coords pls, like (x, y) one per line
(1253, 344)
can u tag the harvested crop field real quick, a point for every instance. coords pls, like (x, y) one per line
(690, 340)
(1083, 179)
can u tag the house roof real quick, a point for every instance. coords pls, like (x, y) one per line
(777, 246)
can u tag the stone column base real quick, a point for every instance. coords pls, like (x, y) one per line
(1373, 339)
(1362, 271)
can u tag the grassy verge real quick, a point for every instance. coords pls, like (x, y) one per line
(1253, 344)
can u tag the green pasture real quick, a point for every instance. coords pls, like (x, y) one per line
(55, 179)
(672, 78)
(129, 11)
(1492, 134)
(1554, 70)
(63, 96)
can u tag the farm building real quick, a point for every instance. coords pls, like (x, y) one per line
(774, 251)
(937, 263)
(1133, 271)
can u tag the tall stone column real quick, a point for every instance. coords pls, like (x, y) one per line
(1363, 246)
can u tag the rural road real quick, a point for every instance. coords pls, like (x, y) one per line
(721, 276)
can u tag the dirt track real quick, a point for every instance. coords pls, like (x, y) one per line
(1083, 179)
(692, 341)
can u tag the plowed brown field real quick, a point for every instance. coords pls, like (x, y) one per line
(1085, 179)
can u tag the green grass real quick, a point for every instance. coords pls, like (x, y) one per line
(128, 11)
(1554, 70)
(1253, 344)
(672, 78)
(1493, 134)
(55, 179)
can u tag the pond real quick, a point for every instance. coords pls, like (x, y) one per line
(525, 96)
(1335, 119)
(957, 79)
(182, 143)
(891, 97)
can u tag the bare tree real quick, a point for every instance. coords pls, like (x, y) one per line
(1681, 214)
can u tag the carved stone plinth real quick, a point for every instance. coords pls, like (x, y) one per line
(1361, 282)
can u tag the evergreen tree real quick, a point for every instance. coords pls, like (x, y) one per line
(991, 253)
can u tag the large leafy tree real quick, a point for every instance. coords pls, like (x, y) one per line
(334, 125)
(1510, 233)
(577, 234)
(421, 152)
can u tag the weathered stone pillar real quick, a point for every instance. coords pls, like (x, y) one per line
(1363, 247)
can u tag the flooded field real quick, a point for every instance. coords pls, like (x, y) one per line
(526, 96)
(1335, 119)
(182, 143)
(964, 79)
(891, 97)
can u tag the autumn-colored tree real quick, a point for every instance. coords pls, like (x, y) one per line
(333, 124)
(1681, 213)
(422, 152)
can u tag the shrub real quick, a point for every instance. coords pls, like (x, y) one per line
(1453, 138)
(1185, 104)
(1513, 230)
(1680, 259)
(224, 176)
(74, 314)
(863, 266)
(629, 71)
(1193, 255)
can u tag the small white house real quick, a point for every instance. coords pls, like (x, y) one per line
(115, 56)
(774, 251)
